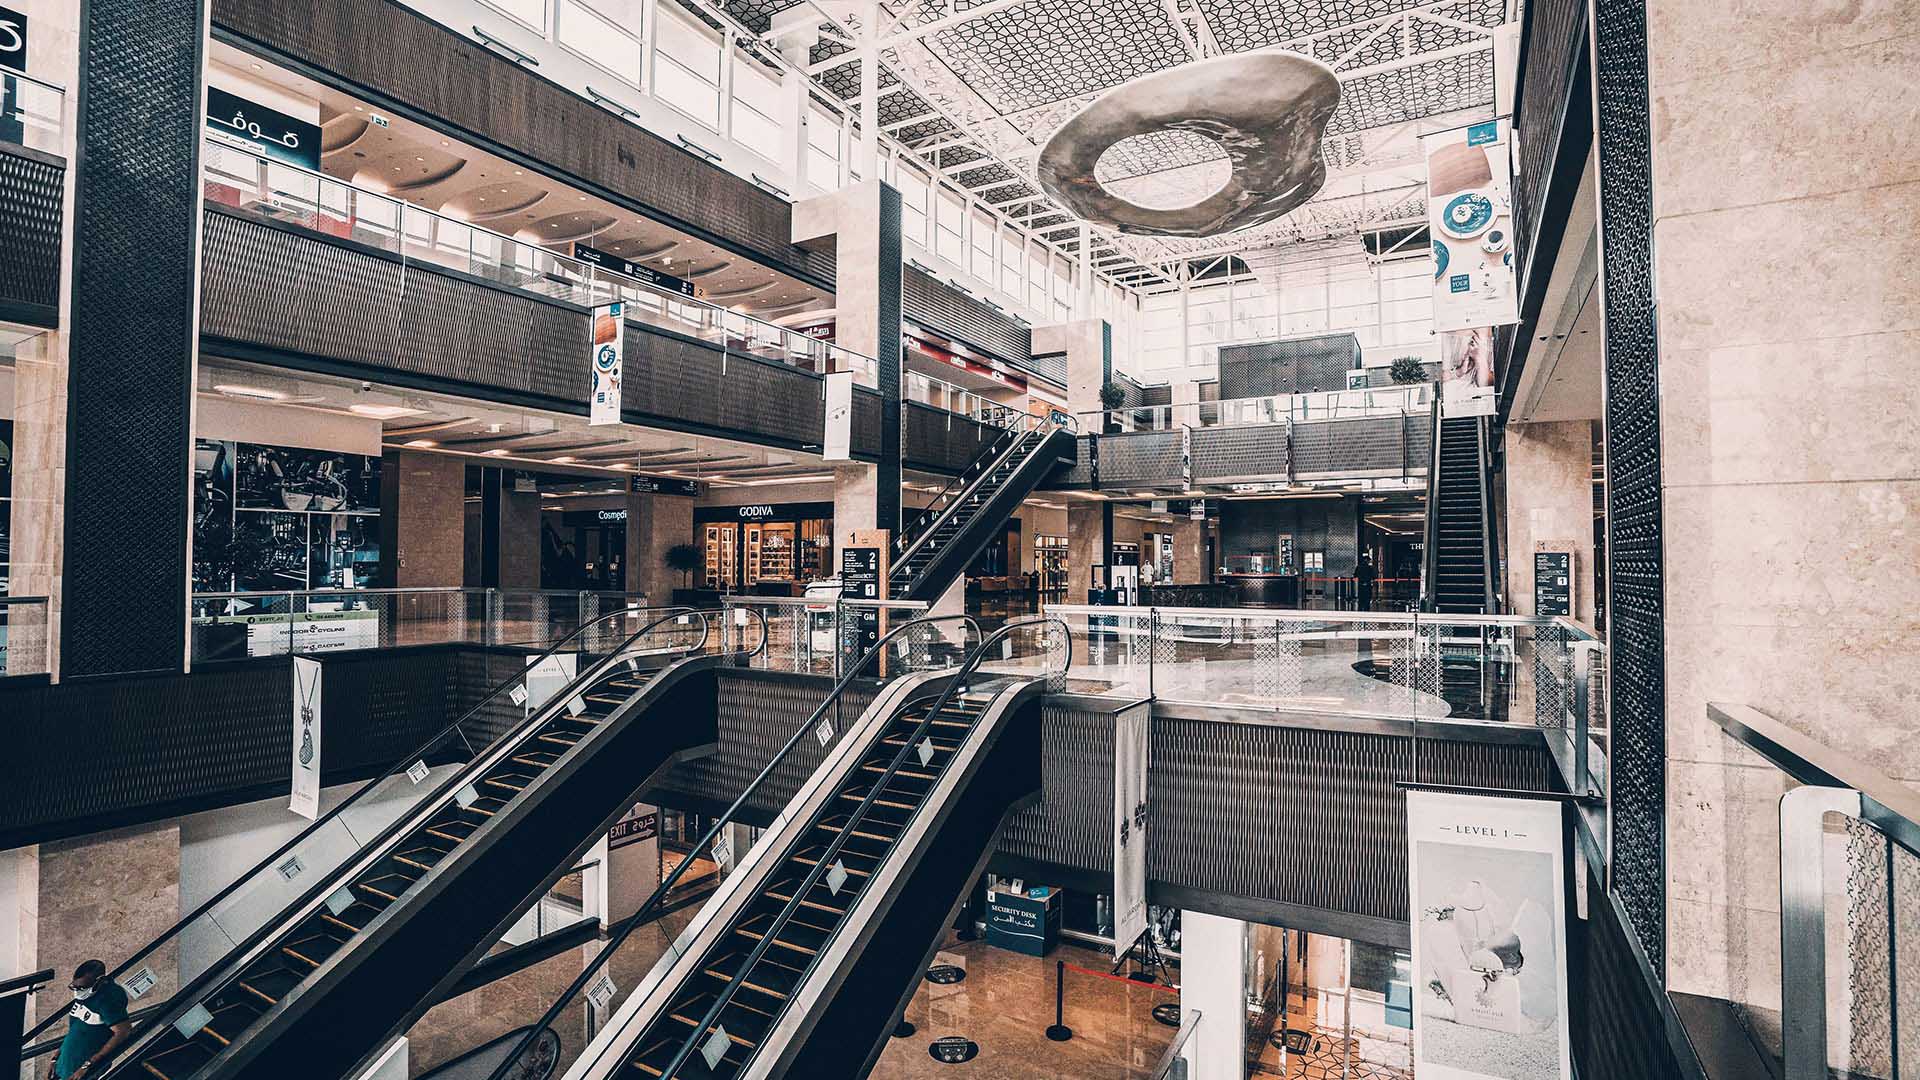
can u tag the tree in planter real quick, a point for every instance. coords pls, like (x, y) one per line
(1112, 396)
(684, 559)
(1407, 369)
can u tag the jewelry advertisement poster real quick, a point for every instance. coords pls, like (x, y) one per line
(1487, 891)
(306, 738)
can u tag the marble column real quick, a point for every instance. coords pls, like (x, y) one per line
(20, 913)
(38, 510)
(430, 492)
(106, 895)
(1089, 539)
(520, 542)
(654, 524)
(1214, 982)
(1789, 314)
(1088, 345)
(1549, 507)
(861, 225)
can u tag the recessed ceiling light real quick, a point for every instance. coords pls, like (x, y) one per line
(259, 392)
(384, 412)
(496, 453)
(256, 67)
(420, 444)
(563, 460)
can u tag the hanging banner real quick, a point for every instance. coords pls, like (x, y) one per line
(1470, 217)
(837, 442)
(608, 346)
(1487, 889)
(1129, 826)
(305, 800)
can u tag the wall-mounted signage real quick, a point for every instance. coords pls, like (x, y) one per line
(262, 130)
(1553, 583)
(1470, 215)
(13, 40)
(947, 353)
(1487, 890)
(606, 260)
(613, 516)
(755, 512)
(603, 405)
(662, 485)
(820, 330)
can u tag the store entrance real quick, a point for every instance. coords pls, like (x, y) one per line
(583, 549)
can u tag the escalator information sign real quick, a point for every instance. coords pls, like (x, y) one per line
(1552, 583)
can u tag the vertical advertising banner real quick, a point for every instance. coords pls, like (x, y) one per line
(1466, 372)
(836, 443)
(1488, 899)
(608, 346)
(305, 800)
(1470, 217)
(1129, 826)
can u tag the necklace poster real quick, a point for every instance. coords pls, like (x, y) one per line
(1488, 898)
(306, 738)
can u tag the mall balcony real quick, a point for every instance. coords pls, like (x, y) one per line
(599, 539)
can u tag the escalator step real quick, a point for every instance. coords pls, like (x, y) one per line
(888, 799)
(911, 774)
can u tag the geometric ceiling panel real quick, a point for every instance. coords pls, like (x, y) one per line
(1444, 85)
(755, 15)
(1044, 50)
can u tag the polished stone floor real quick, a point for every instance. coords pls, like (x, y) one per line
(1005, 1005)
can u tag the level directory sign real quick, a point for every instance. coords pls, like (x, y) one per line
(1553, 583)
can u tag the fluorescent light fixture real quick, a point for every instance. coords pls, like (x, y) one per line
(496, 453)
(420, 444)
(563, 460)
(384, 412)
(259, 393)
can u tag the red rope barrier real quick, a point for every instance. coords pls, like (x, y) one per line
(1120, 978)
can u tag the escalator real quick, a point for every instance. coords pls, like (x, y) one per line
(1460, 560)
(936, 547)
(804, 960)
(381, 934)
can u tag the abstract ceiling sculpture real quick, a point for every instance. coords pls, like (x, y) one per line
(1267, 111)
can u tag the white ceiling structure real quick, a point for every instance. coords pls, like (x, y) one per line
(973, 88)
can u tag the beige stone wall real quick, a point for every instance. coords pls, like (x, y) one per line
(1549, 507)
(430, 500)
(1786, 182)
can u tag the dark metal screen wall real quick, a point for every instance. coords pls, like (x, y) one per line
(938, 306)
(1287, 367)
(1555, 36)
(1072, 824)
(1373, 445)
(99, 753)
(1617, 1026)
(1329, 525)
(30, 191)
(892, 357)
(136, 225)
(383, 50)
(1151, 457)
(1635, 574)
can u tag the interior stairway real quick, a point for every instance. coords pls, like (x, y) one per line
(936, 548)
(763, 958)
(516, 820)
(1461, 569)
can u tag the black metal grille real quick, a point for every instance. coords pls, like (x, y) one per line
(939, 307)
(30, 186)
(1635, 574)
(1617, 1027)
(1554, 37)
(892, 358)
(1287, 367)
(136, 224)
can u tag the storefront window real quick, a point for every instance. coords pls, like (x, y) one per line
(771, 549)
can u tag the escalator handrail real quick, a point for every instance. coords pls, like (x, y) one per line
(853, 823)
(916, 533)
(331, 815)
(659, 894)
(1430, 553)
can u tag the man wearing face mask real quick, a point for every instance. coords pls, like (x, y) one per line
(96, 1026)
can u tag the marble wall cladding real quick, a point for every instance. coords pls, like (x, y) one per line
(38, 507)
(1549, 507)
(1786, 154)
(107, 895)
(431, 524)
(1086, 546)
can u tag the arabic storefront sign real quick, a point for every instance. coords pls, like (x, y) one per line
(13, 40)
(263, 130)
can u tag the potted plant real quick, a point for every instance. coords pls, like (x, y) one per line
(685, 560)
(1407, 369)
(1112, 396)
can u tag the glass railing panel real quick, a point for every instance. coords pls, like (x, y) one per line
(23, 635)
(32, 113)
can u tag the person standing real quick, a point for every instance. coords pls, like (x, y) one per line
(96, 1025)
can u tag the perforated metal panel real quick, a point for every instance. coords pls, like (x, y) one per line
(1151, 457)
(1635, 573)
(30, 188)
(136, 220)
(932, 303)
(892, 359)
(1555, 36)
(1617, 1027)
(1287, 367)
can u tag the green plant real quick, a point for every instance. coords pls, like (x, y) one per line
(1407, 369)
(684, 559)
(1112, 396)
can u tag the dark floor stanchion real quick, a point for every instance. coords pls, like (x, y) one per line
(1059, 1031)
(904, 1029)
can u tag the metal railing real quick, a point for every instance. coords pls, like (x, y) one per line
(906, 649)
(1023, 426)
(32, 113)
(234, 919)
(1847, 999)
(1412, 398)
(941, 394)
(25, 633)
(236, 625)
(817, 636)
(1180, 1061)
(240, 178)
